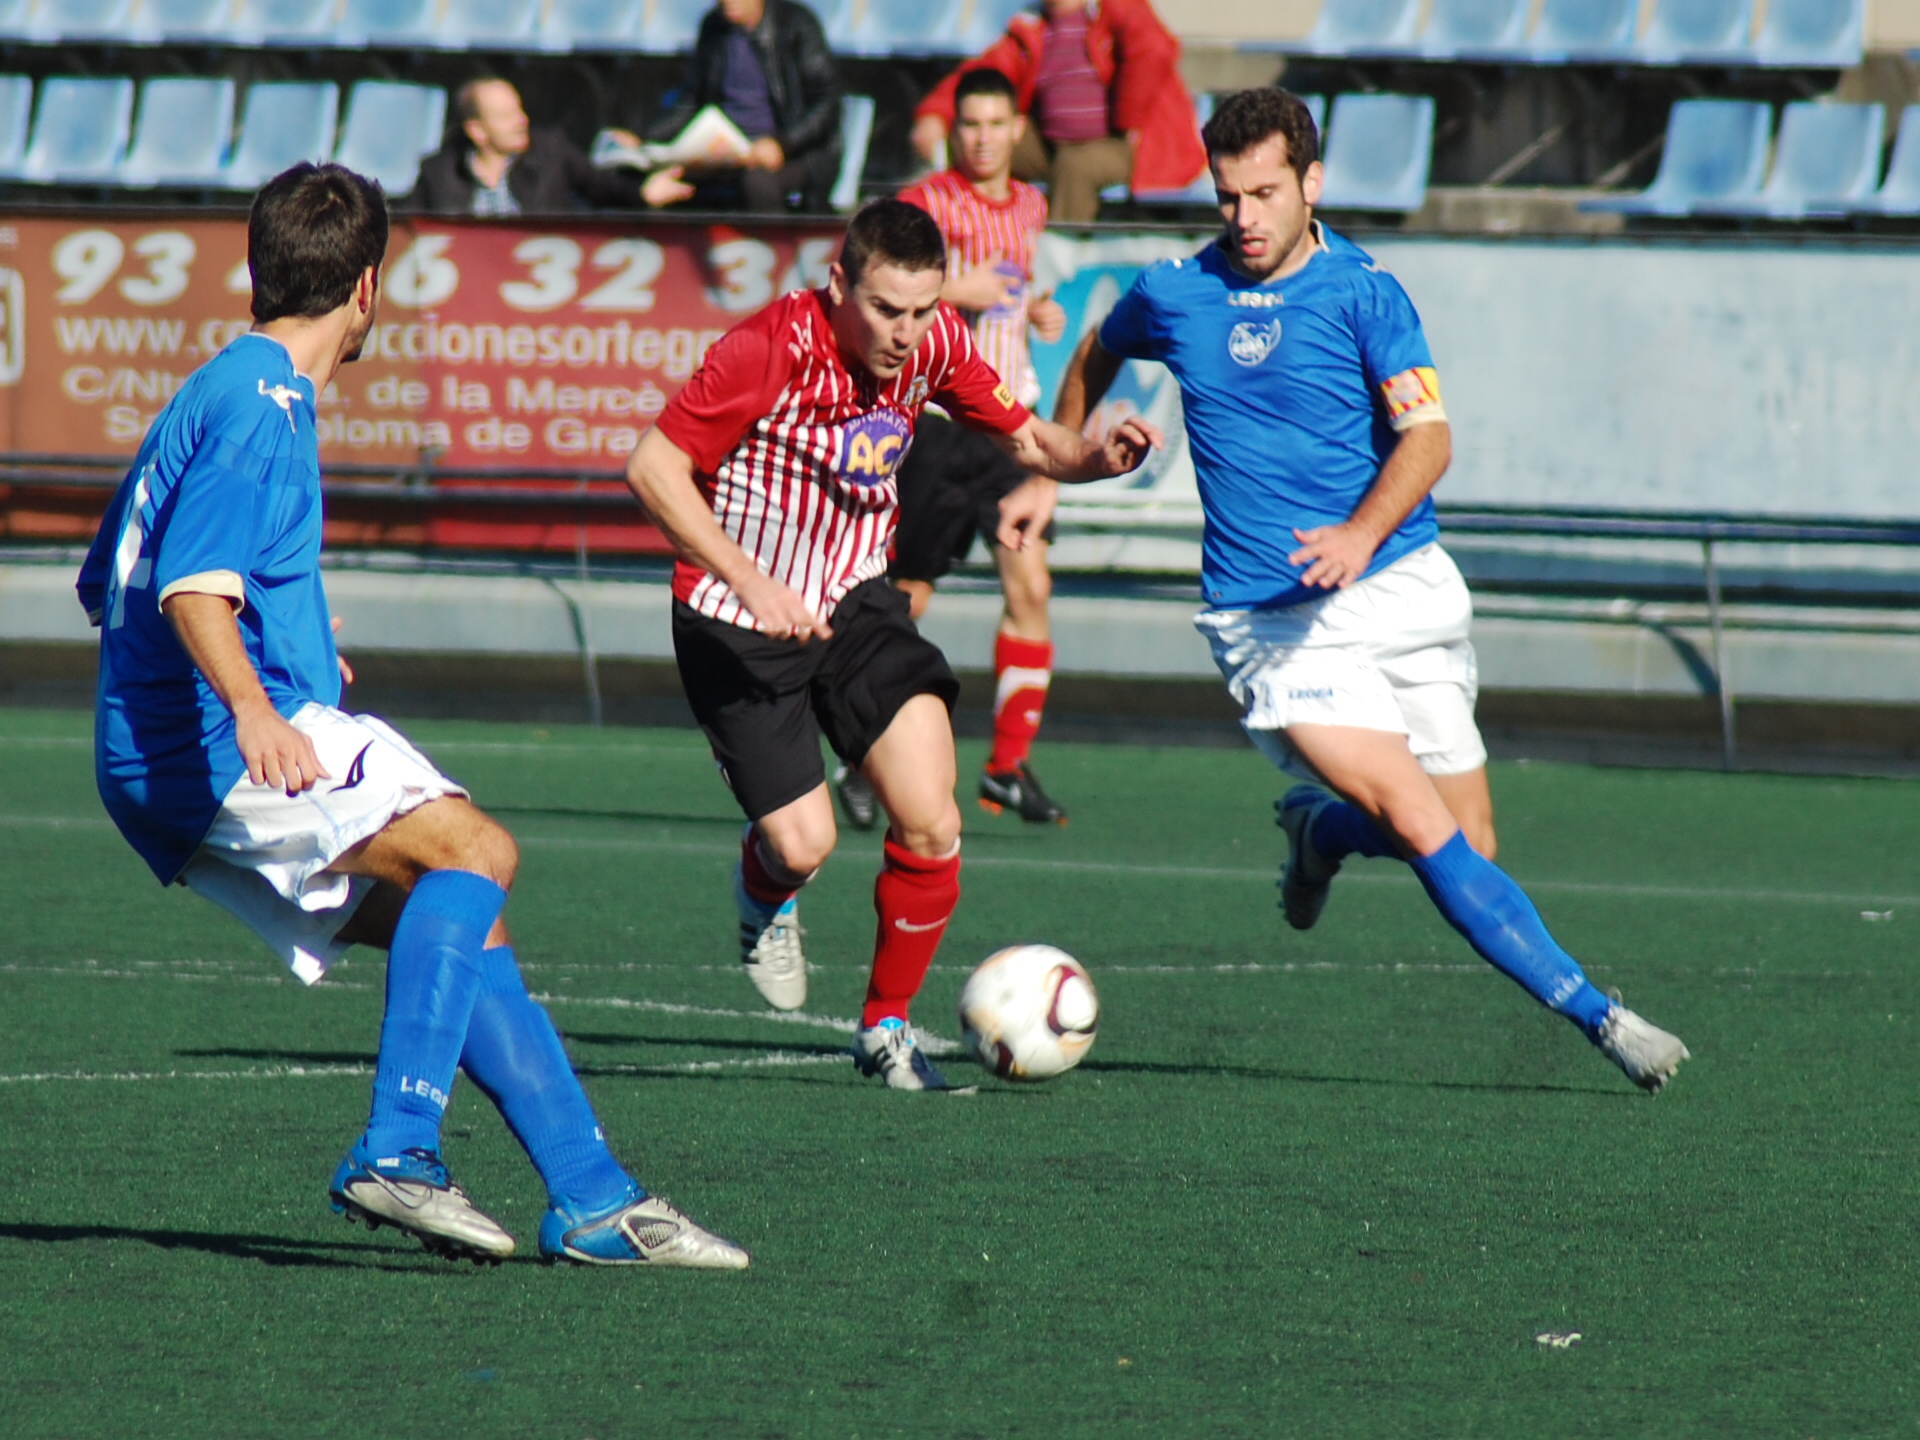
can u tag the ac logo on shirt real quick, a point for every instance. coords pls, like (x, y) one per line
(871, 447)
(1249, 343)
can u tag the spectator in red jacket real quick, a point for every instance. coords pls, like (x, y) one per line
(1101, 81)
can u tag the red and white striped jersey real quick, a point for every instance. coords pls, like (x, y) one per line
(977, 229)
(797, 453)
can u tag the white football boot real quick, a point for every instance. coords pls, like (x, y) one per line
(770, 953)
(1308, 874)
(1648, 1054)
(891, 1051)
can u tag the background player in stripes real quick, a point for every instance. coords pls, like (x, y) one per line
(1313, 411)
(953, 479)
(223, 758)
(772, 473)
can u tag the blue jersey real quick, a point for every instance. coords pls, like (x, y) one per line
(1293, 390)
(223, 499)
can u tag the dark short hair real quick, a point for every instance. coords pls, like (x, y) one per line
(984, 80)
(1247, 117)
(312, 233)
(891, 232)
(466, 100)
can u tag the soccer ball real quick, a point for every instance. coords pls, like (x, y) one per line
(1029, 1012)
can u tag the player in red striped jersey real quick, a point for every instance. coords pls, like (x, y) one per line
(773, 474)
(952, 483)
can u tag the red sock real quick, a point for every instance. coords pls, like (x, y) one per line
(1022, 670)
(763, 877)
(914, 898)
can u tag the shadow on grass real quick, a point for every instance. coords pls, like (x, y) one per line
(588, 1037)
(1300, 1077)
(267, 1249)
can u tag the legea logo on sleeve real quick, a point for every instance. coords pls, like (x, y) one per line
(872, 446)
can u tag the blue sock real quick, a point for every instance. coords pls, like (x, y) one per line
(514, 1054)
(433, 974)
(1481, 901)
(1342, 829)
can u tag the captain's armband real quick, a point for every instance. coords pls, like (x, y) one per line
(1413, 398)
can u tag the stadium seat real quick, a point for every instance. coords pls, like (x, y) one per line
(79, 130)
(381, 23)
(1475, 29)
(284, 123)
(1583, 30)
(285, 22)
(82, 20)
(593, 25)
(1317, 108)
(1379, 149)
(16, 19)
(1823, 33)
(671, 25)
(1358, 27)
(16, 112)
(856, 131)
(389, 128)
(489, 24)
(1826, 161)
(1698, 32)
(925, 27)
(1899, 194)
(205, 21)
(184, 129)
(986, 23)
(1716, 152)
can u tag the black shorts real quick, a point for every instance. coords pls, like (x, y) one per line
(765, 702)
(951, 485)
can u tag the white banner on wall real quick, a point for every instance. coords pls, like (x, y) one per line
(1636, 375)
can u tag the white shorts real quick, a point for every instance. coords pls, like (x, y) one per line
(1390, 653)
(265, 858)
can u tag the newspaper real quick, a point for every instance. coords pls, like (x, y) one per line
(710, 138)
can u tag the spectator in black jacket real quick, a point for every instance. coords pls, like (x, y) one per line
(495, 163)
(766, 64)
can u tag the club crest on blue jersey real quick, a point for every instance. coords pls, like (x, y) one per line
(1249, 342)
(872, 447)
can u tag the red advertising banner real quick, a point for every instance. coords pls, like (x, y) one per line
(530, 345)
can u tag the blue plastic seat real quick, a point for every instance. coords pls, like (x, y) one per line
(1583, 30)
(922, 27)
(986, 24)
(489, 24)
(671, 25)
(184, 129)
(284, 122)
(1359, 27)
(16, 115)
(1899, 194)
(82, 20)
(856, 133)
(1716, 154)
(1826, 161)
(387, 23)
(80, 130)
(16, 19)
(1475, 29)
(593, 25)
(285, 22)
(1822, 33)
(1695, 32)
(205, 21)
(1379, 150)
(388, 130)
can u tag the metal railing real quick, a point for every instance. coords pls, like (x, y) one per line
(521, 488)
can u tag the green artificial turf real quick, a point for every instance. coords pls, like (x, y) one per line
(1319, 1185)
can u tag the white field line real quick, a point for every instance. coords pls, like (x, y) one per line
(773, 1059)
(1171, 872)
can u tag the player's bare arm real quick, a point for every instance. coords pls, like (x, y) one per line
(1089, 373)
(1340, 554)
(661, 475)
(275, 752)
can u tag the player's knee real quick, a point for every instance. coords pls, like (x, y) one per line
(495, 853)
(800, 848)
(932, 835)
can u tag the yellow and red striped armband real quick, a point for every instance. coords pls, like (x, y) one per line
(1413, 398)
